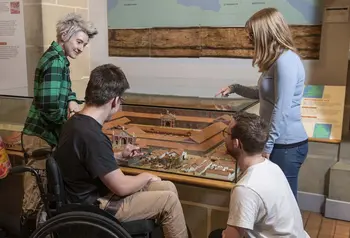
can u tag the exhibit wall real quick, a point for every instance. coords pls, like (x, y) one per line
(204, 76)
(175, 76)
(40, 18)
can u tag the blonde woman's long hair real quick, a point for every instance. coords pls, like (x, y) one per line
(271, 36)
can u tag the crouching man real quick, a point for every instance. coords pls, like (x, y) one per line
(89, 168)
(262, 203)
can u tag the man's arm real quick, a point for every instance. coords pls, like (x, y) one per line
(245, 205)
(123, 185)
(101, 163)
(49, 100)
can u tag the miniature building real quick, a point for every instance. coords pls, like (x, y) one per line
(168, 119)
(207, 137)
(123, 138)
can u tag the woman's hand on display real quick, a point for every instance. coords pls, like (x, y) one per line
(131, 151)
(224, 92)
(73, 107)
(265, 155)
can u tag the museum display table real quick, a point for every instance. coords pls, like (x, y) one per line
(183, 141)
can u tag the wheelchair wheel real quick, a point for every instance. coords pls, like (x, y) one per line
(80, 224)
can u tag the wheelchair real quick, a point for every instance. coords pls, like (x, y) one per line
(78, 220)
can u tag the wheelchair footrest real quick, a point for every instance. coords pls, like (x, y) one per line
(139, 227)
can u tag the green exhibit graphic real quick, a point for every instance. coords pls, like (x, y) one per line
(128, 14)
(322, 131)
(313, 91)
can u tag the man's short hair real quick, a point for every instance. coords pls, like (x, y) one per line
(251, 130)
(106, 82)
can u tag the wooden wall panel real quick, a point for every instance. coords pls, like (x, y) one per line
(201, 42)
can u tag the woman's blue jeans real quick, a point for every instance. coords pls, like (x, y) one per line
(290, 161)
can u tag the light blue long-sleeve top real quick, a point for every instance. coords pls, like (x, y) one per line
(280, 91)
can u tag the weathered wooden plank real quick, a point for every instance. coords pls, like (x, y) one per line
(175, 52)
(129, 52)
(175, 38)
(129, 38)
(301, 30)
(201, 42)
(227, 53)
(224, 38)
(309, 54)
(307, 42)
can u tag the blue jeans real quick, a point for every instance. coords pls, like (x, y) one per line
(290, 161)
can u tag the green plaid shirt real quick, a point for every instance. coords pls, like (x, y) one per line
(52, 92)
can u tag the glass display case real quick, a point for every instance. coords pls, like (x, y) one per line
(178, 135)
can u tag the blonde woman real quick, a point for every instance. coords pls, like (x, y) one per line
(279, 90)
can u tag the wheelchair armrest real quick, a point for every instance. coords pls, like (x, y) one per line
(42, 152)
(22, 169)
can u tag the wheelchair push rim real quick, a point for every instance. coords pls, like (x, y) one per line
(80, 218)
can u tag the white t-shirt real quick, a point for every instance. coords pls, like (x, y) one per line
(263, 204)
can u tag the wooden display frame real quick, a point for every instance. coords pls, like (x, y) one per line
(184, 179)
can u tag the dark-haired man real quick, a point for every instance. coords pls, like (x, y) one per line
(89, 168)
(262, 203)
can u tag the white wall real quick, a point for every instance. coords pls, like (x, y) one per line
(174, 76)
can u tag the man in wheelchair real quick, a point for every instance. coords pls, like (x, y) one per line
(89, 166)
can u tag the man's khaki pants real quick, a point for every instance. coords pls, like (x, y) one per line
(157, 201)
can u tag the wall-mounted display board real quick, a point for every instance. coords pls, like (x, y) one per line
(13, 65)
(203, 28)
(322, 112)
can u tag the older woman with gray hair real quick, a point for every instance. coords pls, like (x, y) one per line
(53, 102)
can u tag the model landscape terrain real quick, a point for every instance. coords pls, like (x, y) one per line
(169, 143)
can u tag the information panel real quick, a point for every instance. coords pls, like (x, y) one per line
(13, 66)
(323, 110)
